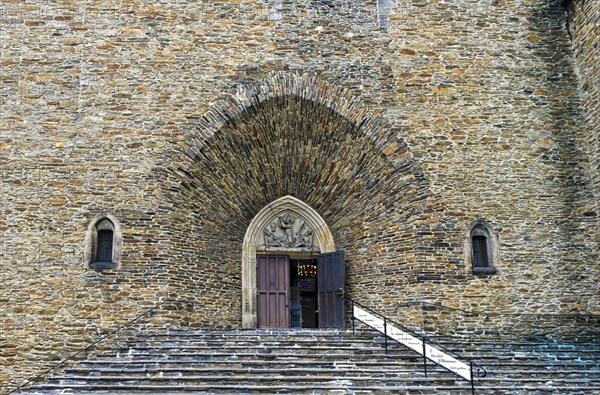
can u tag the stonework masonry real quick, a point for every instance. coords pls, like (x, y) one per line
(584, 28)
(183, 120)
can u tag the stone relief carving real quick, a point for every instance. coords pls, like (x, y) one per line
(288, 232)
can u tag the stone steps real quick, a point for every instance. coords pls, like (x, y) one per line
(340, 387)
(286, 376)
(539, 369)
(356, 348)
(489, 361)
(316, 362)
(386, 371)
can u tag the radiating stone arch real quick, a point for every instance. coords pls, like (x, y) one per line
(322, 238)
(237, 104)
(296, 135)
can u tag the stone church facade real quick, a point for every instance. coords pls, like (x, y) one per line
(443, 153)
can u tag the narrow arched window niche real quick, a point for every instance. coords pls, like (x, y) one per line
(103, 243)
(481, 249)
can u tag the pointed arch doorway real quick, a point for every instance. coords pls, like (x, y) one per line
(289, 253)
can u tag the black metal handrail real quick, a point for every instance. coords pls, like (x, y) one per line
(481, 371)
(498, 313)
(88, 347)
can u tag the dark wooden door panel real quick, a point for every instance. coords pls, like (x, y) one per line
(331, 279)
(273, 279)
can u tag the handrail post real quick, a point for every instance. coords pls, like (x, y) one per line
(424, 356)
(385, 335)
(472, 379)
(353, 319)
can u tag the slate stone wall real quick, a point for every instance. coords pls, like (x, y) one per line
(184, 119)
(583, 24)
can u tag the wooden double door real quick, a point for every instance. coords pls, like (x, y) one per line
(276, 291)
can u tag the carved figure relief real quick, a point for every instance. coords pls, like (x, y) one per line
(288, 232)
(286, 222)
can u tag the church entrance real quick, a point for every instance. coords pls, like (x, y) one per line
(300, 292)
(292, 275)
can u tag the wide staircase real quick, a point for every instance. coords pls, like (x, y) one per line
(319, 362)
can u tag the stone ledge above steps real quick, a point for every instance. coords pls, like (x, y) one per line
(263, 332)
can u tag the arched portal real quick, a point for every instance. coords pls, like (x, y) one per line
(291, 135)
(303, 232)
